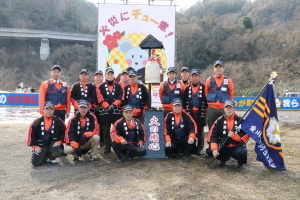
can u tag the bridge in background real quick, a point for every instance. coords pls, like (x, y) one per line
(44, 36)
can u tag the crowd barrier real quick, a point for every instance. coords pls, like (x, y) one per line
(32, 99)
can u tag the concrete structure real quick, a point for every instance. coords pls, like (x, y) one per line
(44, 36)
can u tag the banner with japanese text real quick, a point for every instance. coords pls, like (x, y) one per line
(155, 140)
(19, 99)
(121, 29)
(284, 103)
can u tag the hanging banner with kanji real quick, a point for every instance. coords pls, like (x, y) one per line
(121, 29)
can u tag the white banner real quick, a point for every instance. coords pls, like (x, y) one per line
(123, 27)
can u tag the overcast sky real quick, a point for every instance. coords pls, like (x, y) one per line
(181, 4)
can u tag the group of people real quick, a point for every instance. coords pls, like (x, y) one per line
(111, 115)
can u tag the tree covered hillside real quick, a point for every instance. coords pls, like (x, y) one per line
(252, 38)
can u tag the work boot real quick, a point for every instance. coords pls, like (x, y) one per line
(94, 159)
(199, 152)
(187, 157)
(221, 163)
(107, 150)
(240, 167)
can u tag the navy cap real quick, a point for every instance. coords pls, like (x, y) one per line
(48, 104)
(84, 103)
(55, 67)
(195, 71)
(185, 68)
(219, 62)
(125, 71)
(229, 103)
(109, 70)
(177, 101)
(128, 107)
(99, 72)
(132, 73)
(84, 71)
(171, 69)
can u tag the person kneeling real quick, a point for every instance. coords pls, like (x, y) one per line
(180, 131)
(235, 145)
(82, 133)
(46, 136)
(128, 136)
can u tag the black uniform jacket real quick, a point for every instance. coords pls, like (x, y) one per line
(72, 128)
(189, 124)
(35, 136)
(201, 114)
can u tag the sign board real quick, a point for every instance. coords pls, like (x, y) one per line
(289, 103)
(19, 99)
(155, 100)
(155, 140)
(121, 29)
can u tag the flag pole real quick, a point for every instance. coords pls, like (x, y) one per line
(273, 75)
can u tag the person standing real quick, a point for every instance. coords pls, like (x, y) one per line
(226, 126)
(137, 95)
(169, 90)
(218, 89)
(194, 102)
(180, 131)
(110, 106)
(98, 79)
(82, 133)
(128, 135)
(56, 91)
(125, 79)
(185, 77)
(83, 90)
(46, 136)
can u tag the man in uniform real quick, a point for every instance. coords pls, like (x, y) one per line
(180, 131)
(83, 90)
(124, 80)
(128, 135)
(82, 133)
(169, 90)
(218, 89)
(185, 75)
(235, 146)
(194, 102)
(56, 91)
(110, 106)
(98, 78)
(136, 95)
(46, 136)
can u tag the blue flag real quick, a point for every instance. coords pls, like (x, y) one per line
(262, 126)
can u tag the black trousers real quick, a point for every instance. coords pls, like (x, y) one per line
(51, 153)
(239, 153)
(96, 112)
(132, 149)
(105, 129)
(200, 136)
(60, 113)
(179, 144)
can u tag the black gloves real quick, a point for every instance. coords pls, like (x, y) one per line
(78, 152)
(82, 140)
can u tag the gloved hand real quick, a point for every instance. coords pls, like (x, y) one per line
(110, 108)
(82, 140)
(78, 152)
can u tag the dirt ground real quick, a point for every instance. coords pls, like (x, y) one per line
(145, 178)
